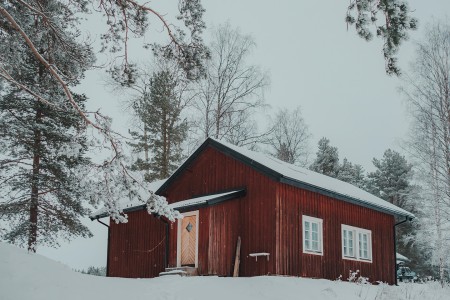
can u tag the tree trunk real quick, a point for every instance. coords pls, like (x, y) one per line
(34, 199)
(146, 149)
(437, 204)
(165, 155)
(145, 144)
(218, 119)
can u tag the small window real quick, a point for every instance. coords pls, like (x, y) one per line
(312, 235)
(356, 243)
(349, 249)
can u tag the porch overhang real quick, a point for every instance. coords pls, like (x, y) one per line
(207, 200)
(185, 205)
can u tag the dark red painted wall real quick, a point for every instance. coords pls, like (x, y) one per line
(137, 248)
(252, 217)
(293, 202)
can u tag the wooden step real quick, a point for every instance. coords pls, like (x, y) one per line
(180, 271)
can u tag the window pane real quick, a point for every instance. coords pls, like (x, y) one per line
(365, 246)
(345, 243)
(360, 244)
(315, 246)
(307, 236)
(350, 244)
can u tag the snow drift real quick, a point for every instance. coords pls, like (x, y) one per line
(32, 276)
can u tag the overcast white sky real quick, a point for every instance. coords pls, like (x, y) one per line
(313, 61)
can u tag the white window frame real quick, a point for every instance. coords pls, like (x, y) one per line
(319, 223)
(356, 243)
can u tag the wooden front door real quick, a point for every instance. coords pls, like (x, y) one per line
(188, 235)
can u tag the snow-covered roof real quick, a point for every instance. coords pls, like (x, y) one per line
(401, 257)
(201, 200)
(127, 203)
(302, 177)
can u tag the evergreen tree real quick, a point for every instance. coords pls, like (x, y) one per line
(391, 181)
(351, 173)
(327, 159)
(366, 15)
(41, 143)
(163, 130)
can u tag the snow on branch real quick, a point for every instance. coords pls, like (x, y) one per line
(117, 182)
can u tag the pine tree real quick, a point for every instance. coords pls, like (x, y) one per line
(351, 173)
(42, 145)
(346, 171)
(327, 159)
(391, 181)
(163, 130)
(366, 15)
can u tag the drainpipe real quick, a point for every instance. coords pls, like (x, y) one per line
(395, 247)
(107, 249)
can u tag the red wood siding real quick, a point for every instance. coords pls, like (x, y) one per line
(252, 217)
(137, 248)
(293, 202)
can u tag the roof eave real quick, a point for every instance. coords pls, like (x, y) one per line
(125, 210)
(238, 194)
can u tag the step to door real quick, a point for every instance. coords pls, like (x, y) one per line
(180, 271)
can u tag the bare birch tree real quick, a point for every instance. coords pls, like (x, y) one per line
(289, 137)
(232, 90)
(428, 92)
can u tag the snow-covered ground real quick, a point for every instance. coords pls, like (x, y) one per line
(31, 276)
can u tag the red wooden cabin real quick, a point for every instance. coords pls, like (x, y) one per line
(291, 221)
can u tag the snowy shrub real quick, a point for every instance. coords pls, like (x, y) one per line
(357, 278)
(97, 271)
(353, 276)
